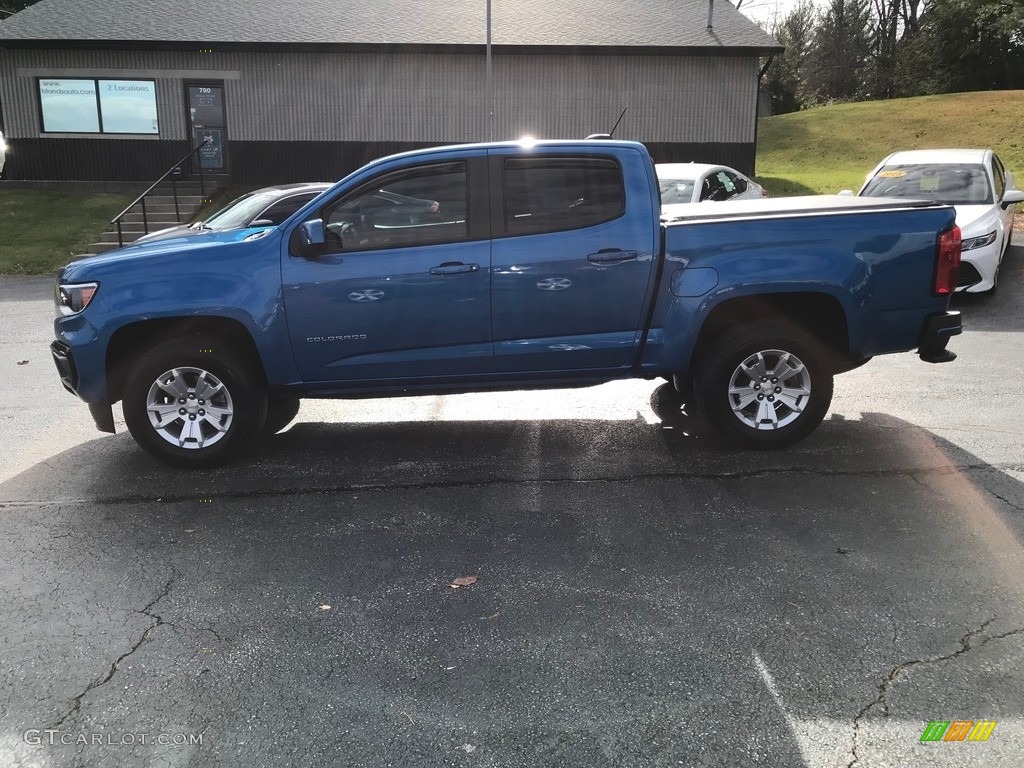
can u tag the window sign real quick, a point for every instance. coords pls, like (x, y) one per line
(128, 106)
(211, 144)
(205, 105)
(69, 106)
(98, 106)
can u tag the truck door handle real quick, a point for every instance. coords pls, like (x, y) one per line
(611, 256)
(454, 268)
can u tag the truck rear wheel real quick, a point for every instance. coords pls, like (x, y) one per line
(194, 403)
(765, 385)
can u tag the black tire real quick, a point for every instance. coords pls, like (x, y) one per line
(796, 418)
(242, 394)
(281, 410)
(683, 385)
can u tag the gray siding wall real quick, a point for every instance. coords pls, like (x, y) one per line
(418, 97)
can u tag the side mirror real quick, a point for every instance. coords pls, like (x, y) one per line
(312, 233)
(1012, 197)
(261, 223)
(309, 238)
(845, 193)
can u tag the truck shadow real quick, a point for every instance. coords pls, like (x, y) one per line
(635, 587)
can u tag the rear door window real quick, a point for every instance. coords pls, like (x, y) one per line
(553, 194)
(714, 188)
(739, 184)
(282, 209)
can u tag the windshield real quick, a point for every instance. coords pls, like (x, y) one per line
(238, 213)
(676, 190)
(941, 182)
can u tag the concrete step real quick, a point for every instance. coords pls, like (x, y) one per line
(152, 208)
(169, 200)
(129, 235)
(95, 248)
(160, 216)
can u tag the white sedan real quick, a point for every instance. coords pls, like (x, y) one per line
(699, 183)
(976, 183)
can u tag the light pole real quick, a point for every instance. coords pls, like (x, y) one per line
(490, 82)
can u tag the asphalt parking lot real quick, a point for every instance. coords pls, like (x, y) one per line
(644, 597)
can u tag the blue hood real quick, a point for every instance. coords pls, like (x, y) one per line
(195, 241)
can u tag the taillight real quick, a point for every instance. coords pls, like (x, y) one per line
(948, 262)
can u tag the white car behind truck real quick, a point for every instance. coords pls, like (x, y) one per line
(976, 183)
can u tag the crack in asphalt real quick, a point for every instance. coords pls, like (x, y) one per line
(1005, 501)
(945, 469)
(143, 638)
(883, 687)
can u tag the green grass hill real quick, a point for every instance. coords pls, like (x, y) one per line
(826, 149)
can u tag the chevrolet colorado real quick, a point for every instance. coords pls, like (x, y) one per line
(521, 265)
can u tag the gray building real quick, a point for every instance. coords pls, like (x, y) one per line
(311, 89)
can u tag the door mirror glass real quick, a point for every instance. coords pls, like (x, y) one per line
(312, 237)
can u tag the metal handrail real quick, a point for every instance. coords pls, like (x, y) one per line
(174, 189)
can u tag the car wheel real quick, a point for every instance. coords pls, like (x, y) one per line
(765, 385)
(194, 403)
(281, 409)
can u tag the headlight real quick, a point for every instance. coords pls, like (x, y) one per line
(979, 242)
(72, 299)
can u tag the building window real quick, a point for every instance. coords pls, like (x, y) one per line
(76, 105)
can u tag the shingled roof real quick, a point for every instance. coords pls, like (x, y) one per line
(640, 24)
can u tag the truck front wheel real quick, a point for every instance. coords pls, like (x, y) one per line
(765, 385)
(194, 403)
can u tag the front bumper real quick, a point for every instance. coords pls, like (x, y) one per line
(978, 268)
(65, 362)
(935, 336)
(64, 359)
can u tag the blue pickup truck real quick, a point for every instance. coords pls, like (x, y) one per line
(504, 266)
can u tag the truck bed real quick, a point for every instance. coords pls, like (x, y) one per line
(785, 206)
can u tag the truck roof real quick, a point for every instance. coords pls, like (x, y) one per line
(527, 142)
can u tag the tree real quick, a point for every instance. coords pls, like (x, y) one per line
(8, 7)
(885, 38)
(841, 46)
(968, 45)
(784, 81)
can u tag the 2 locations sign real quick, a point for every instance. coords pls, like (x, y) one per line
(76, 105)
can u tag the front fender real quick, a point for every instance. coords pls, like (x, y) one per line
(240, 282)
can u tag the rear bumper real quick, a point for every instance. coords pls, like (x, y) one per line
(935, 336)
